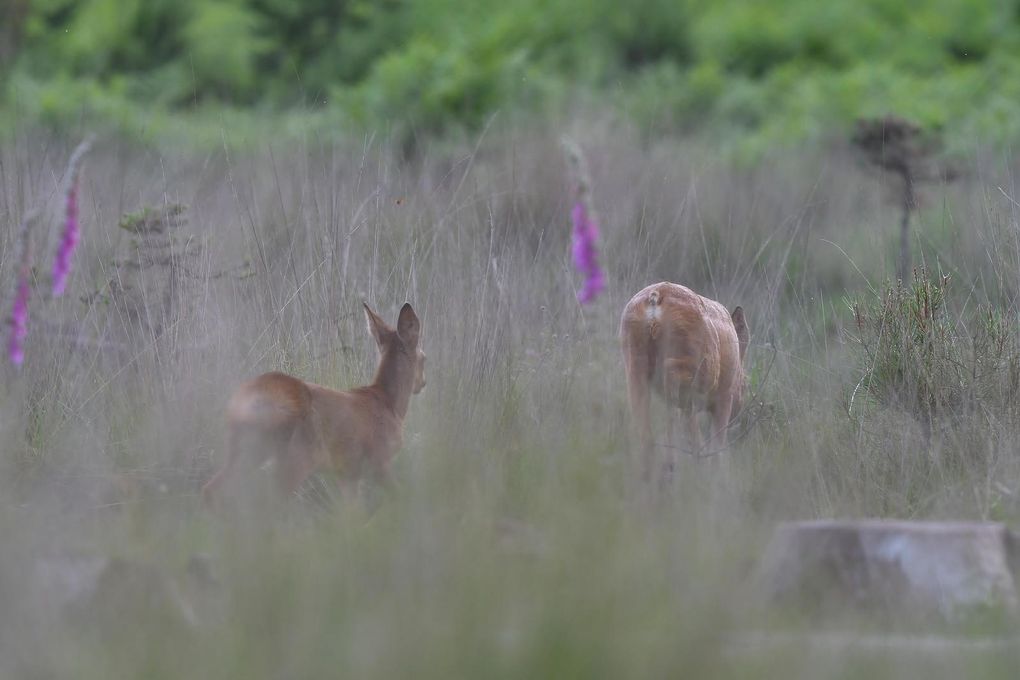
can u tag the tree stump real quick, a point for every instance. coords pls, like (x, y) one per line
(953, 571)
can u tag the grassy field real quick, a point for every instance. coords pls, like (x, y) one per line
(519, 543)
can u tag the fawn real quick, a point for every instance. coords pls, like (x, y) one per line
(691, 349)
(308, 427)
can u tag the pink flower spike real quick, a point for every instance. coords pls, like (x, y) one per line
(19, 322)
(586, 232)
(72, 233)
(593, 285)
(585, 252)
(68, 242)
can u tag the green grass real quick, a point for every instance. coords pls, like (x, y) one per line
(519, 542)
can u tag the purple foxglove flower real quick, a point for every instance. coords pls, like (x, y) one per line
(585, 250)
(19, 321)
(593, 285)
(72, 233)
(586, 231)
(68, 242)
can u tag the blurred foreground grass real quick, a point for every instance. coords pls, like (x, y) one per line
(518, 543)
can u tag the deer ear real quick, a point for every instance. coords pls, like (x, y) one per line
(376, 326)
(408, 326)
(740, 325)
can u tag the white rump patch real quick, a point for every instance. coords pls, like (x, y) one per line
(653, 312)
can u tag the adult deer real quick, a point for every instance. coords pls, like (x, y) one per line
(691, 350)
(307, 427)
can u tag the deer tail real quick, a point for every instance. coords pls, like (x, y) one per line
(653, 313)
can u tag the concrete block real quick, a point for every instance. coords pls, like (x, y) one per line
(953, 570)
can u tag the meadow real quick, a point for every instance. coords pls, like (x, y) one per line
(518, 542)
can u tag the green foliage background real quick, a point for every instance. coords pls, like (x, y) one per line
(761, 73)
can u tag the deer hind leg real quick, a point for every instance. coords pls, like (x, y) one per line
(672, 447)
(212, 487)
(382, 475)
(636, 361)
(297, 460)
(679, 377)
(721, 421)
(694, 431)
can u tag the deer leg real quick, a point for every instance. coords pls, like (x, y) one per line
(297, 461)
(212, 487)
(672, 445)
(638, 394)
(694, 431)
(383, 486)
(383, 476)
(721, 421)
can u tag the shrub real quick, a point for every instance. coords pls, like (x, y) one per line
(916, 357)
(223, 45)
(757, 74)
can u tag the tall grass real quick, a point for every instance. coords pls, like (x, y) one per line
(518, 543)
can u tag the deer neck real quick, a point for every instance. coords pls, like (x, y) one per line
(391, 383)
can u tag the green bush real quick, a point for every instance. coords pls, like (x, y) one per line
(759, 74)
(914, 356)
(223, 45)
